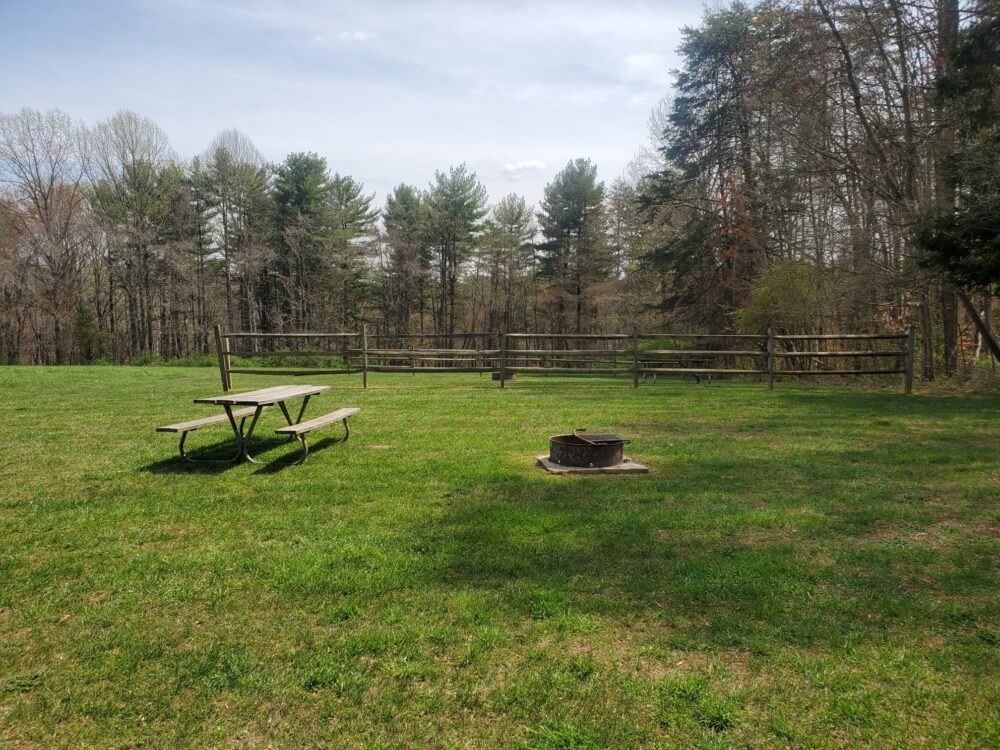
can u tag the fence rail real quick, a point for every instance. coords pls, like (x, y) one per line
(767, 355)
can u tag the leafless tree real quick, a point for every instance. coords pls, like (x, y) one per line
(41, 165)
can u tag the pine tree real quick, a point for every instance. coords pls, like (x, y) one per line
(409, 259)
(301, 191)
(574, 253)
(710, 183)
(508, 256)
(352, 222)
(456, 206)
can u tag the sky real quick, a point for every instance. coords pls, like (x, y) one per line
(387, 91)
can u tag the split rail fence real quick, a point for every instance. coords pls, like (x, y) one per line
(503, 355)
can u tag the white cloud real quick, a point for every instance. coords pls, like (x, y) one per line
(515, 169)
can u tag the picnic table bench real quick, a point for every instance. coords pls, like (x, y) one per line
(196, 424)
(255, 402)
(299, 430)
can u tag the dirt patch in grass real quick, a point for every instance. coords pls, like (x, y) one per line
(644, 650)
(941, 533)
(754, 541)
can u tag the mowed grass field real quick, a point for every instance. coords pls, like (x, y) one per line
(811, 567)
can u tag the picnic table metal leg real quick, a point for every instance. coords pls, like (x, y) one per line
(302, 410)
(186, 457)
(243, 437)
(284, 410)
(305, 445)
(288, 417)
(305, 449)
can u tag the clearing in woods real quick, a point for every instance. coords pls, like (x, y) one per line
(810, 567)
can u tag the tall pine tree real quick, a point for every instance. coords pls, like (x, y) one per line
(574, 254)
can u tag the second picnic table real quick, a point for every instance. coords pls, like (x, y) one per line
(260, 399)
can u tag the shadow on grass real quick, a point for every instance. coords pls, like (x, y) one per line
(728, 552)
(213, 457)
(886, 402)
(274, 467)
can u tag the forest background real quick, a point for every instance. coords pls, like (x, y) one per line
(827, 166)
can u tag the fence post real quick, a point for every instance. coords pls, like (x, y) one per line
(222, 351)
(219, 354)
(911, 339)
(770, 358)
(503, 358)
(635, 357)
(364, 355)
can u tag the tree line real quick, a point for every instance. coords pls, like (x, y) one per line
(821, 166)
(112, 248)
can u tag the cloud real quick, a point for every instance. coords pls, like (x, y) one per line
(516, 169)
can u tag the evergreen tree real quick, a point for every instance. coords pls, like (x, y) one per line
(408, 260)
(964, 242)
(508, 256)
(301, 186)
(301, 190)
(237, 181)
(456, 206)
(352, 222)
(709, 186)
(574, 254)
(626, 226)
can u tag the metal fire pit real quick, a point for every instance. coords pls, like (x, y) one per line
(577, 449)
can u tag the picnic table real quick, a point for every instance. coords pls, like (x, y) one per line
(254, 403)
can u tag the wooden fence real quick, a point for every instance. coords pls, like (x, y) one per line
(636, 355)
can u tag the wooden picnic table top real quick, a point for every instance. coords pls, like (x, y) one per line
(264, 396)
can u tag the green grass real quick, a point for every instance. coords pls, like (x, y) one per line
(811, 567)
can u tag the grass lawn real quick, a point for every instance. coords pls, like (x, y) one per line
(811, 567)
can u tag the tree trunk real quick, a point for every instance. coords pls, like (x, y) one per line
(926, 338)
(946, 188)
(949, 320)
(981, 326)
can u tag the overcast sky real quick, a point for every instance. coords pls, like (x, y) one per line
(387, 91)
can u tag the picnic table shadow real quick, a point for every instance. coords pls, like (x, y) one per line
(214, 457)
